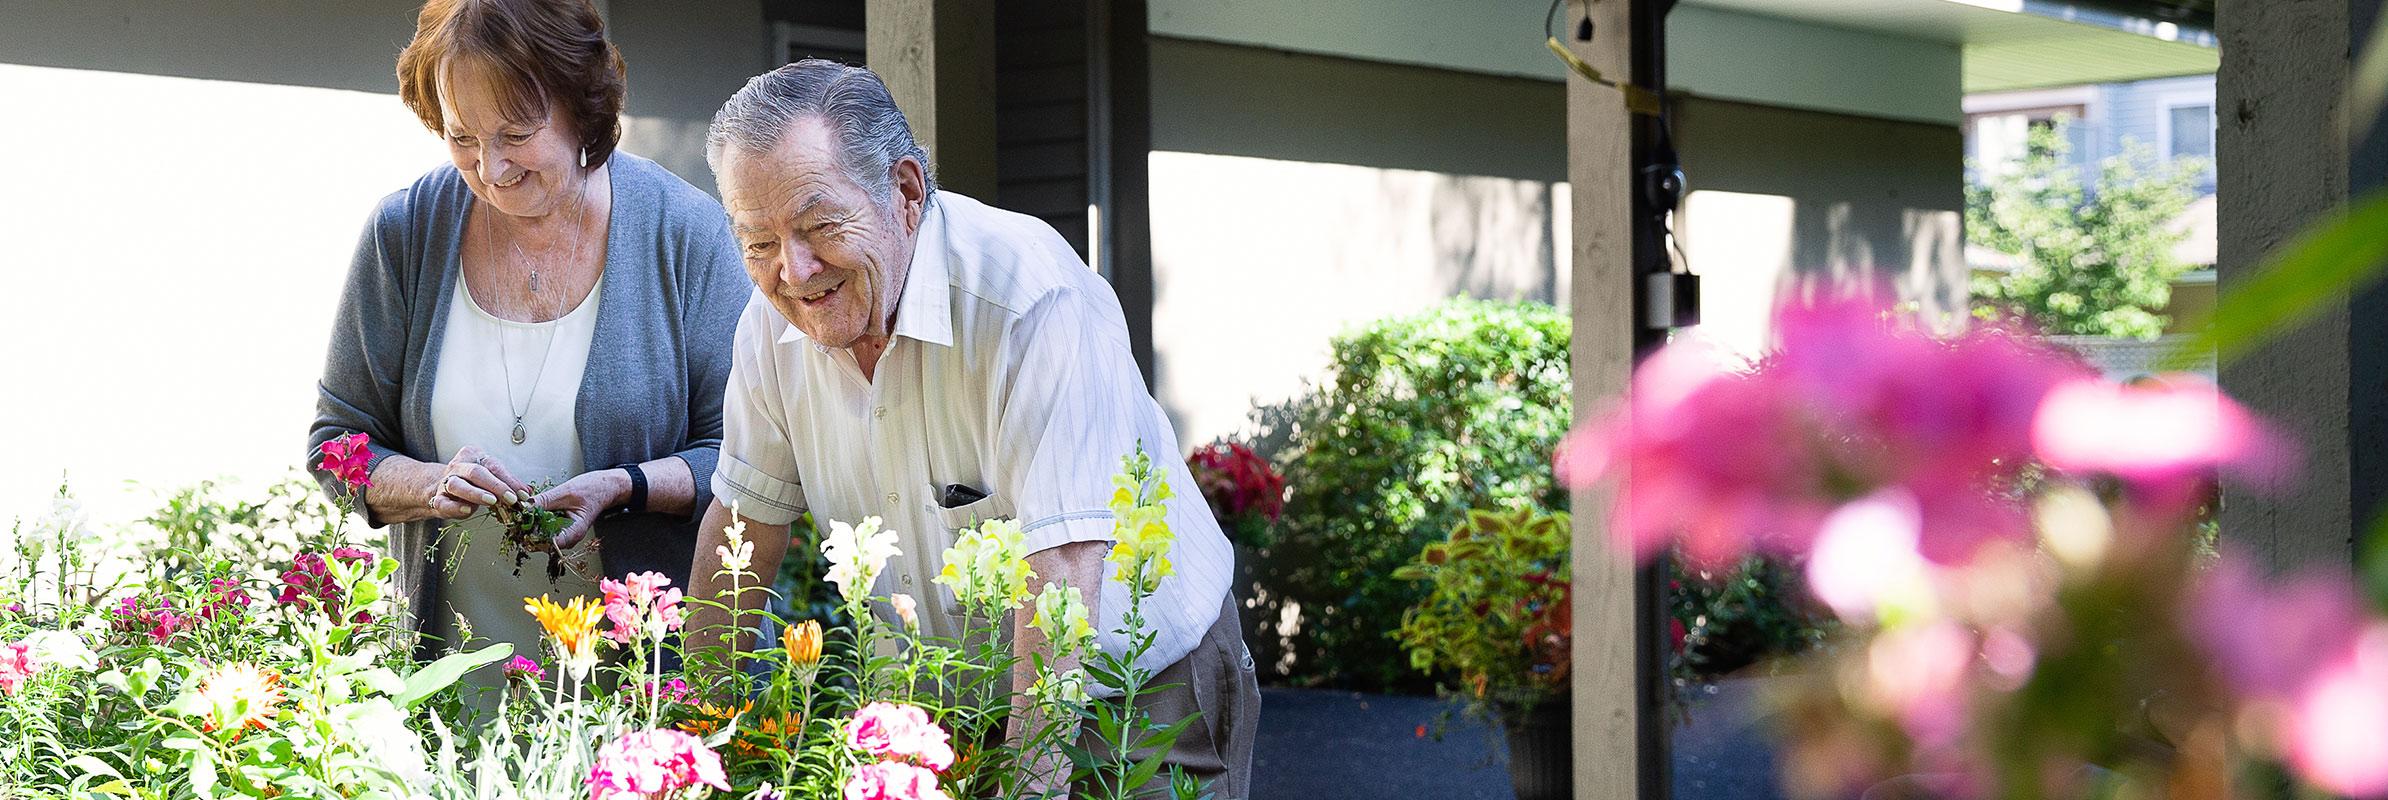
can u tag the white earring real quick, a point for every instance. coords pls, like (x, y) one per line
(584, 156)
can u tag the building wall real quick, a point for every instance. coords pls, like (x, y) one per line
(1783, 201)
(1296, 195)
(188, 185)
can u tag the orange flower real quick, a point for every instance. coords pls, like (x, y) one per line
(803, 643)
(573, 627)
(229, 686)
(768, 733)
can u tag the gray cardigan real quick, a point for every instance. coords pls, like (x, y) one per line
(674, 286)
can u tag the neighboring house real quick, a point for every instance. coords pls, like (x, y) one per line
(2172, 117)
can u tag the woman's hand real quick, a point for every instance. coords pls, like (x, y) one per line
(471, 480)
(583, 499)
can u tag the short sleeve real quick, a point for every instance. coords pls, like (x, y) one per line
(1067, 417)
(757, 471)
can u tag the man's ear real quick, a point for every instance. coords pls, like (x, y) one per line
(911, 190)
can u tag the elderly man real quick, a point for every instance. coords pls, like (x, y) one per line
(918, 356)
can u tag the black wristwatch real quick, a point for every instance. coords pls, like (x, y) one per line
(638, 490)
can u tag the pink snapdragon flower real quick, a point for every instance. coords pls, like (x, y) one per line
(898, 730)
(651, 763)
(641, 604)
(16, 666)
(159, 618)
(893, 780)
(308, 576)
(345, 458)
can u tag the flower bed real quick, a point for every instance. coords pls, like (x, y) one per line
(201, 677)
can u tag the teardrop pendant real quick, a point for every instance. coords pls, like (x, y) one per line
(518, 432)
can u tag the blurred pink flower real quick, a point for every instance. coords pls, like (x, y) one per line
(2338, 736)
(1918, 676)
(1723, 462)
(893, 780)
(2164, 437)
(16, 666)
(1867, 553)
(653, 762)
(345, 458)
(902, 731)
(2270, 641)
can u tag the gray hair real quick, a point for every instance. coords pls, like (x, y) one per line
(872, 136)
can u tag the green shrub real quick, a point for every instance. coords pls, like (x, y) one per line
(1421, 419)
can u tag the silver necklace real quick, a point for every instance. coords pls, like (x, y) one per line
(505, 361)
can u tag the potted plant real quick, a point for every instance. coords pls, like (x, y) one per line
(1496, 613)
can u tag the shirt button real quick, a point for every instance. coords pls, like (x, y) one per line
(880, 412)
(907, 580)
(891, 498)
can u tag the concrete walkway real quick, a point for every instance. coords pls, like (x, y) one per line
(1327, 745)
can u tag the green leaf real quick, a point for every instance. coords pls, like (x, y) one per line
(382, 680)
(2322, 265)
(188, 704)
(1164, 736)
(440, 674)
(93, 766)
(203, 773)
(1145, 770)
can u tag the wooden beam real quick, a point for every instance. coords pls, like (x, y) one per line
(938, 59)
(1609, 717)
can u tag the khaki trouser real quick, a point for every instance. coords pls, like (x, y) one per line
(1216, 680)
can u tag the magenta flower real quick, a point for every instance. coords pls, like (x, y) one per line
(898, 730)
(1723, 462)
(893, 780)
(2269, 642)
(641, 604)
(525, 670)
(345, 458)
(158, 618)
(309, 577)
(651, 763)
(16, 666)
(2165, 439)
(2338, 734)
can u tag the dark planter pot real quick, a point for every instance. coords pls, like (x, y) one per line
(1542, 752)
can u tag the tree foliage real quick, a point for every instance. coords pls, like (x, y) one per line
(2091, 261)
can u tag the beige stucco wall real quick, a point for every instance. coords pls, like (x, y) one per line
(187, 182)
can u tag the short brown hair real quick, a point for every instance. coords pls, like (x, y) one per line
(538, 51)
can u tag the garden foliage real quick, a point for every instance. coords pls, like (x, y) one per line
(2094, 260)
(196, 677)
(1421, 419)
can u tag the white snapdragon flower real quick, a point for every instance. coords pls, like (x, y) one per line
(857, 553)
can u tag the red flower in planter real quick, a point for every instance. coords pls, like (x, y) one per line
(1237, 481)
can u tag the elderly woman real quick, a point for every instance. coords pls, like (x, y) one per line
(545, 312)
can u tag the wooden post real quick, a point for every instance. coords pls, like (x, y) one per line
(938, 59)
(1611, 748)
(2286, 161)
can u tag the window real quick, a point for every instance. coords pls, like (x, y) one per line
(2189, 131)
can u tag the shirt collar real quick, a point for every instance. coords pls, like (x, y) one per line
(924, 311)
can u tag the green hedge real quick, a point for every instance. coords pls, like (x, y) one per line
(1422, 418)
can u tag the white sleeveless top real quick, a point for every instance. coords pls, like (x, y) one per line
(480, 354)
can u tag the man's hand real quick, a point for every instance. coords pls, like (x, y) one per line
(1078, 564)
(706, 624)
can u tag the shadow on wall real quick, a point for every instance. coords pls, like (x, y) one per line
(1785, 201)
